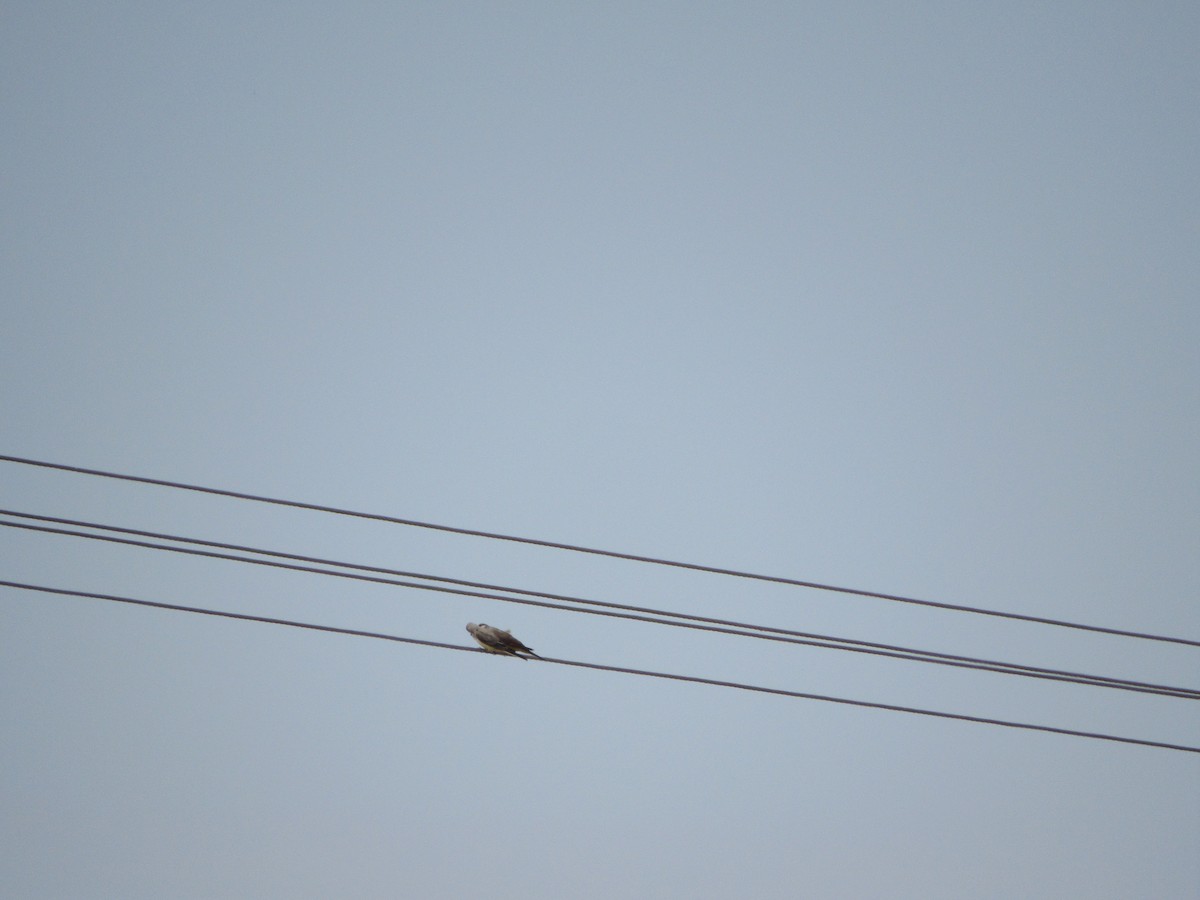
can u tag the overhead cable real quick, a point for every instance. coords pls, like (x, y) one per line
(575, 548)
(778, 635)
(1070, 732)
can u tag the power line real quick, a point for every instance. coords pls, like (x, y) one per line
(606, 668)
(613, 554)
(780, 635)
(738, 629)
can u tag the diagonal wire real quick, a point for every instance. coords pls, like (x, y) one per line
(779, 635)
(866, 704)
(613, 554)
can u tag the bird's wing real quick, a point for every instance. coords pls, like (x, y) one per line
(493, 639)
(506, 638)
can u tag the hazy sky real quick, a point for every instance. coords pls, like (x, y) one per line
(900, 297)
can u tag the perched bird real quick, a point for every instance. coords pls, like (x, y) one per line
(494, 640)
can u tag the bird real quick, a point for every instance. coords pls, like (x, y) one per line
(496, 640)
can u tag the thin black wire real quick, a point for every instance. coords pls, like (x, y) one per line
(613, 554)
(495, 587)
(801, 638)
(866, 704)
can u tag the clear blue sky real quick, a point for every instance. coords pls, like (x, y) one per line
(895, 296)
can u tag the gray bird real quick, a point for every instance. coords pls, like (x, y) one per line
(495, 640)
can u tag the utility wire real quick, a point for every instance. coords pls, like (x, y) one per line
(807, 638)
(613, 554)
(1070, 732)
(738, 629)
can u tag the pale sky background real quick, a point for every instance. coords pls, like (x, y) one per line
(901, 297)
